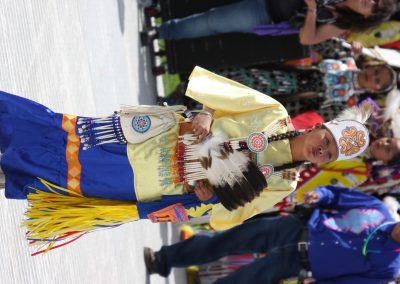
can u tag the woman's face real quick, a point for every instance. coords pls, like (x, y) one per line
(384, 149)
(320, 146)
(374, 78)
(363, 7)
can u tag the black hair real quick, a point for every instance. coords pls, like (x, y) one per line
(349, 19)
(287, 135)
(394, 161)
(289, 166)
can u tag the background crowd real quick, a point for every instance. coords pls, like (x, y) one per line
(341, 68)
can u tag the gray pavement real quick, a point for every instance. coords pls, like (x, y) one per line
(80, 57)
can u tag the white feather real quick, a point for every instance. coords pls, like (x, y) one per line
(392, 104)
(395, 125)
(359, 113)
(223, 171)
(392, 111)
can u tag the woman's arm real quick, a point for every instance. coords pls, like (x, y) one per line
(313, 35)
(310, 33)
(225, 96)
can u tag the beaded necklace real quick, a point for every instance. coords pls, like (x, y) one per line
(181, 164)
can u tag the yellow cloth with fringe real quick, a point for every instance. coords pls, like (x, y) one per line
(239, 111)
(51, 214)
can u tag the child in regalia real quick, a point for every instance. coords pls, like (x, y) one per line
(235, 159)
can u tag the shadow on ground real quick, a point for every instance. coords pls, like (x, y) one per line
(121, 15)
(147, 81)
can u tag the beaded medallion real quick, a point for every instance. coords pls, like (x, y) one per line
(267, 170)
(181, 164)
(257, 142)
(141, 123)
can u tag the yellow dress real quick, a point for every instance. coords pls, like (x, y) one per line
(239, 110)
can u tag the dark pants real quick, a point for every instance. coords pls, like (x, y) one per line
(276, 236)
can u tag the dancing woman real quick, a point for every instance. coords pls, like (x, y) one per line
(81, 174)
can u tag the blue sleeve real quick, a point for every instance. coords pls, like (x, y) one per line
(170, 205)
(213, 200)
(341, 197)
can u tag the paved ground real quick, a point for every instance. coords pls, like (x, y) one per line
(80, 57)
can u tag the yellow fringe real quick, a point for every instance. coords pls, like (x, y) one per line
(51, 215)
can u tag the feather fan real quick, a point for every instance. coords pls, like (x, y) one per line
(235, 179)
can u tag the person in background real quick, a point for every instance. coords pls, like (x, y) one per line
(346, 227)
(318, 20)
(327, 88)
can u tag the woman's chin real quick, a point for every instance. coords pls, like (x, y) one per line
(315, 160)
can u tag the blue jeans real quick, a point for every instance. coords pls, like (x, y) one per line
(277, 236)
(240, 16)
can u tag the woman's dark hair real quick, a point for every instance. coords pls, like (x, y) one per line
(394, 161)
(354, 21)
(289, 166)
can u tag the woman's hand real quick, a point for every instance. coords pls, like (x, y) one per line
(201, 125)
(308, 280)
(356, 47)
(203, 191)
(311, 5)
(311, 197)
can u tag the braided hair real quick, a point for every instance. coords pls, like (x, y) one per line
(283, 136)
(249, 186)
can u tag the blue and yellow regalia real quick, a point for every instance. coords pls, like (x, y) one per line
(75, 190)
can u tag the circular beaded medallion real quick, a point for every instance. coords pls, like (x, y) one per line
(267, 170)
(257, 142)
(141, 123)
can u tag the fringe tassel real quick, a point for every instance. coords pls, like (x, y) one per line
(56, 218)
(98, 131)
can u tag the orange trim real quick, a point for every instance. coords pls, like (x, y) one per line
(72, 153)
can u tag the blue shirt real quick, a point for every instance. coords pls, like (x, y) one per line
(338, 228)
